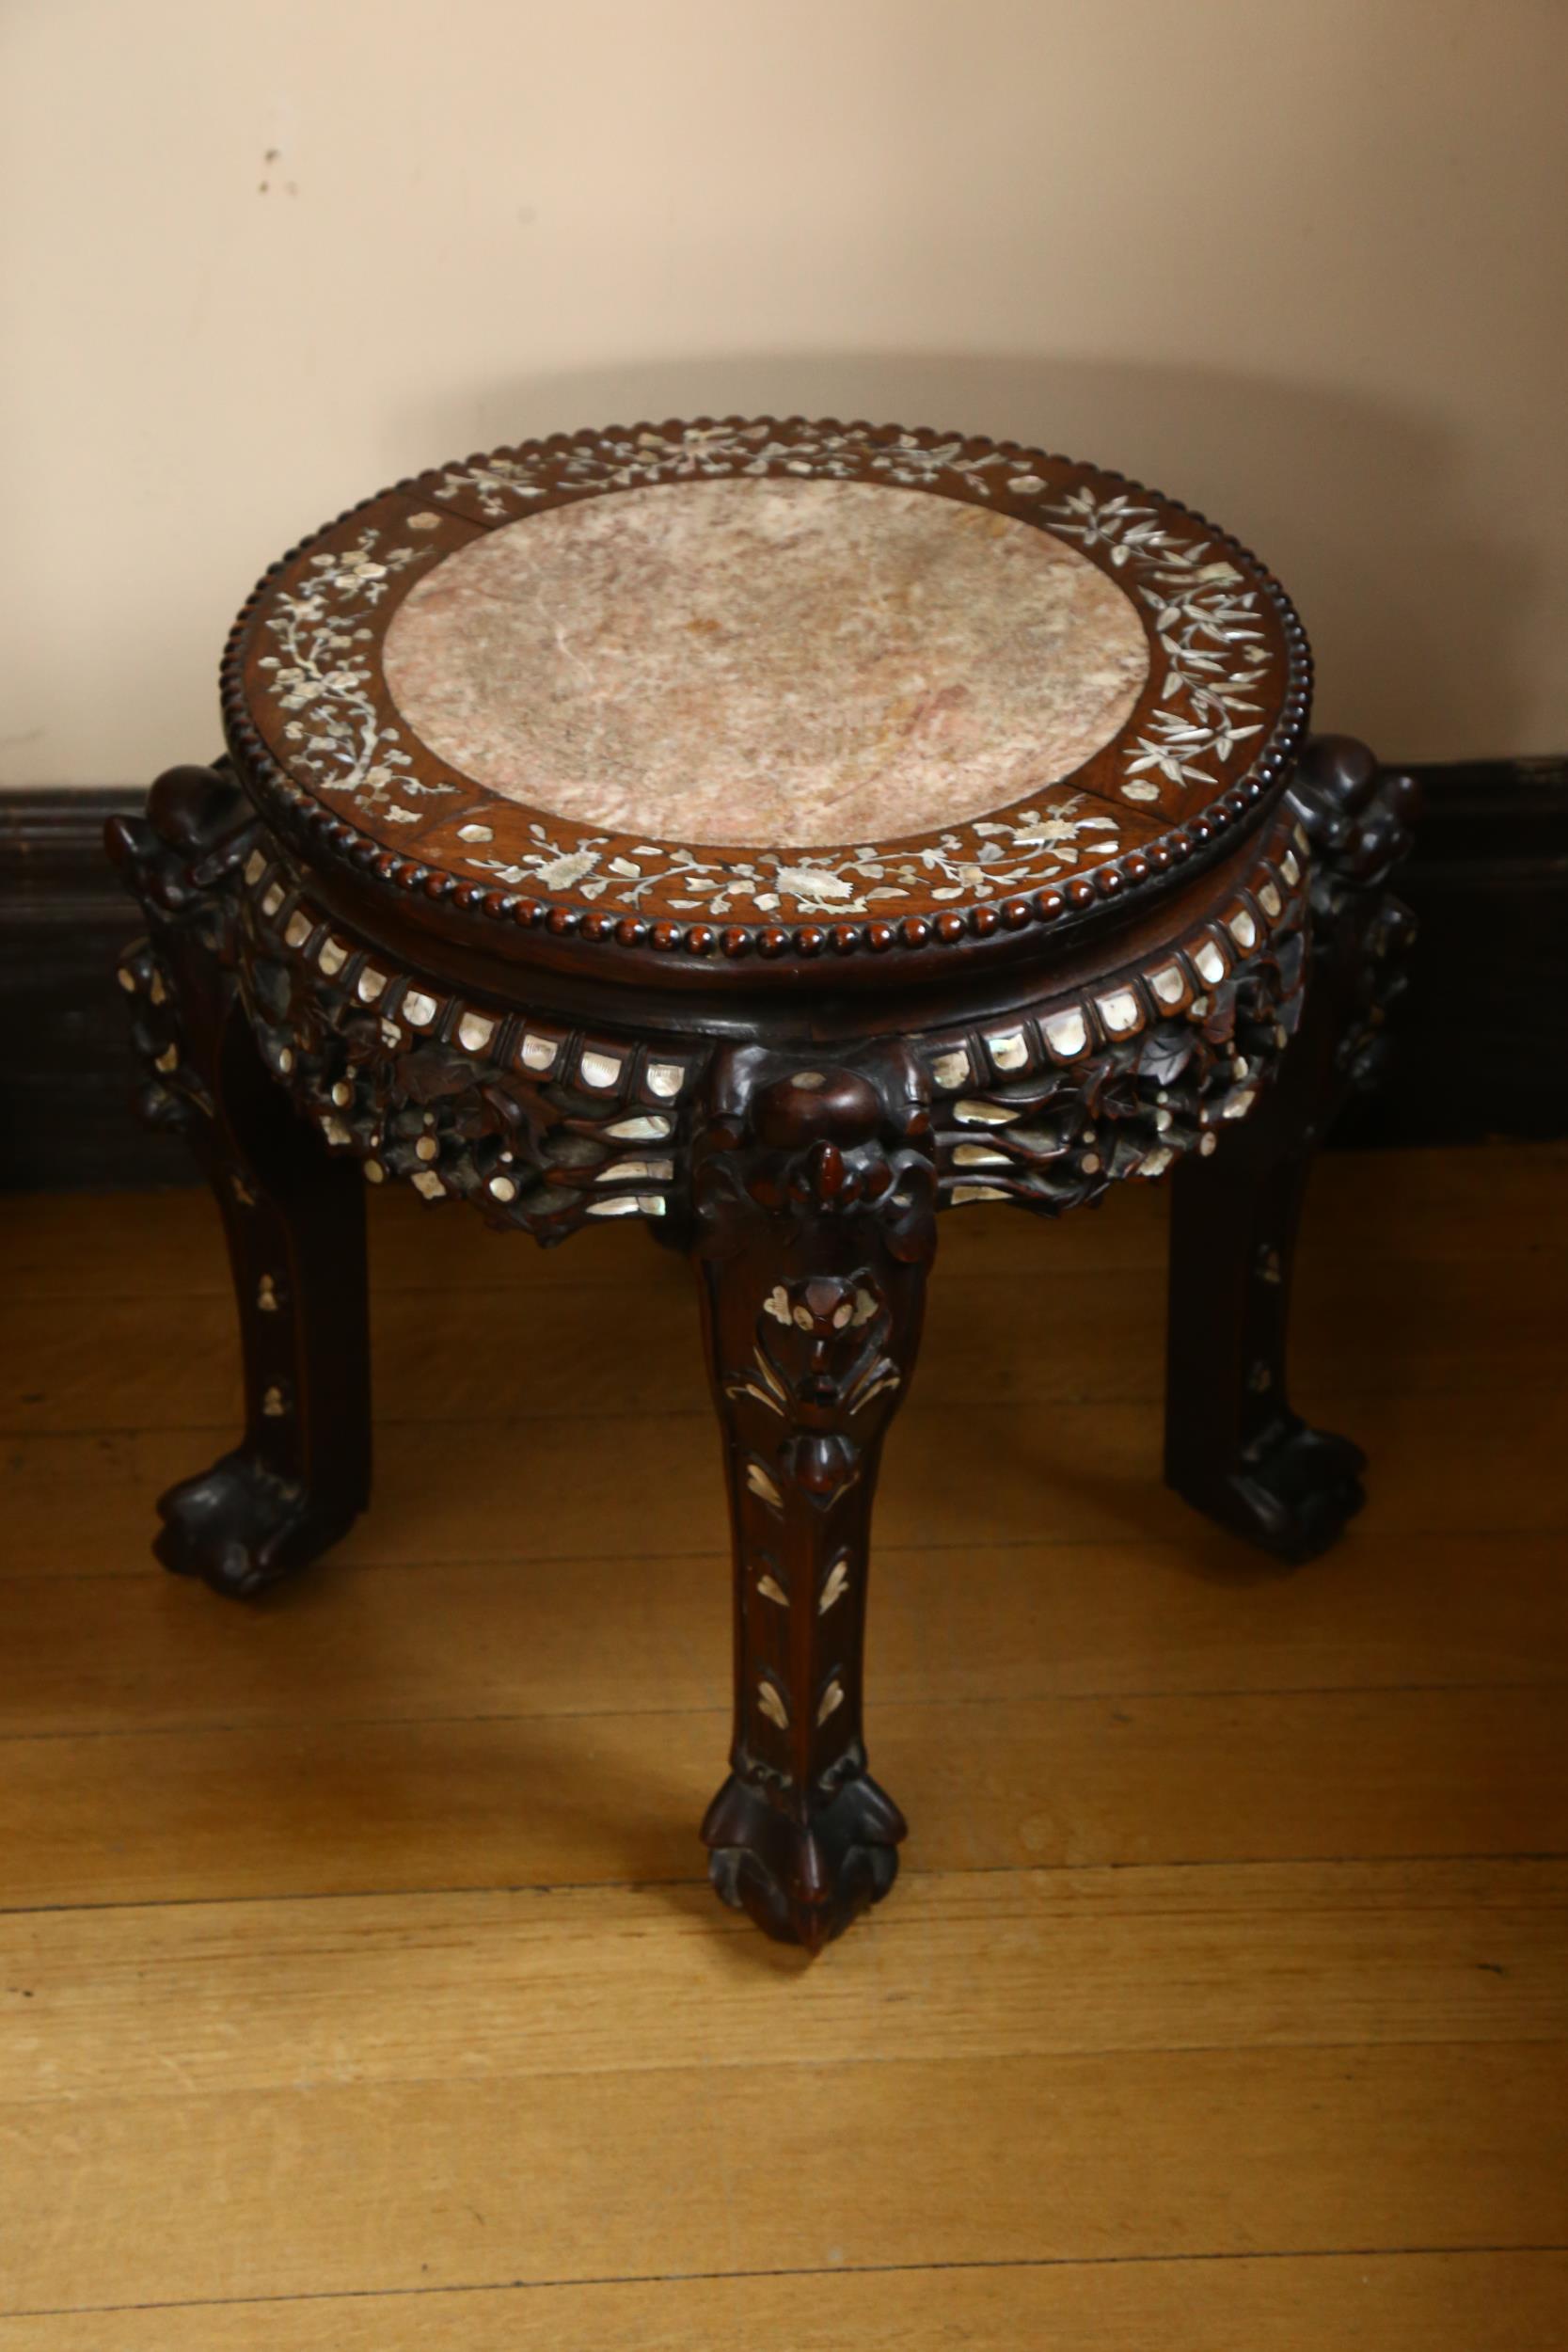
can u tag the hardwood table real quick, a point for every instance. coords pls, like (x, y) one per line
(778, 832)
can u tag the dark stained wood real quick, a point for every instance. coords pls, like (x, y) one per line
(815, 1219)
(315, 626)
(1483, 1033)
(1233, 1445)
(803, 1180)
(307, 1012)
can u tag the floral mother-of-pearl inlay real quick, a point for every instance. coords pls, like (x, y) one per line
(323, 679)
(1014, 854)
(766, 661)
(1207, 615)
(1218, 672)
(1210, 630)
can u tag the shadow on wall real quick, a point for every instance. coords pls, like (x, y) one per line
(1415, 605)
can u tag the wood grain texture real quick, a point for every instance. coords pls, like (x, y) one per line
(1026, 1621)
(329, 1808)
(589, 1485)
(209, 1998)
(1510, 2302)
(358, 1986)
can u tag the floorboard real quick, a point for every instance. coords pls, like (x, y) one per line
(1027, 1620)
(214, 1997)
(1479, 2302)
(359, 1989)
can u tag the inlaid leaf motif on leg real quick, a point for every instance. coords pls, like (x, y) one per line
(814, 1195)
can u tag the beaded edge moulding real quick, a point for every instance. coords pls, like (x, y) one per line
(310, 721)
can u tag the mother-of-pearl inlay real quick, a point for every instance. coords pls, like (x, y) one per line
(766, 661)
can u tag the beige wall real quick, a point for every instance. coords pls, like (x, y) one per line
(1304, 265)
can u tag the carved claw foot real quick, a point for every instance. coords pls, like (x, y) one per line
(1293, 1494)
(241, 1527)
(803, 1882)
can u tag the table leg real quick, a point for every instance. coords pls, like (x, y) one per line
(814, 1228)
(1234, 1447)
(293, 1218)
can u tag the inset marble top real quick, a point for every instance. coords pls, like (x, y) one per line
(782, 662)
(688, 683)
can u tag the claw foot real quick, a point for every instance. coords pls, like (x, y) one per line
(1293, 1494)
(803, 1882)
(241, 1527)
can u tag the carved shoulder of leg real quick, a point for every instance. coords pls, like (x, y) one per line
(195, 831)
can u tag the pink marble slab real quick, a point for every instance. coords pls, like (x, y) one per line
(766, 661)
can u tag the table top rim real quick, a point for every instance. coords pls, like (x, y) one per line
(1151, 546)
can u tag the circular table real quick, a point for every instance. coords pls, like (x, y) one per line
(778, 832)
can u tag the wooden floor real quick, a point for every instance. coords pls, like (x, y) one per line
(359, 1987)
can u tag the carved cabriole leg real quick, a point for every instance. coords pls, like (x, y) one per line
(814, 1202)
(293, 1216)
(1233, 1446)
